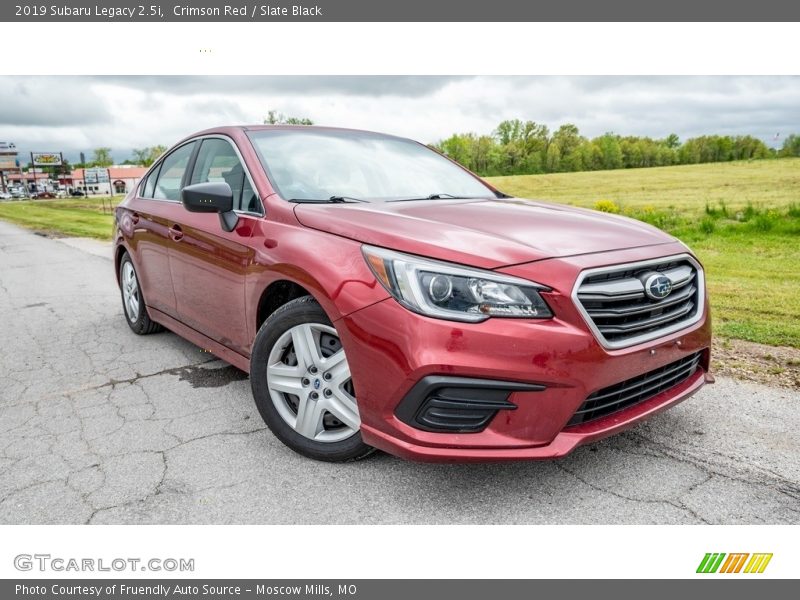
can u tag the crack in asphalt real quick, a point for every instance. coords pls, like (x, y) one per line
(158, 488)
(617, 494)
(760, 476)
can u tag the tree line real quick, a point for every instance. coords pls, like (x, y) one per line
(525, 147)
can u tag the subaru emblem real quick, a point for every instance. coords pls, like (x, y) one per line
(657, 286)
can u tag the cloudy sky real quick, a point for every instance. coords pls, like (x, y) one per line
(74, 114)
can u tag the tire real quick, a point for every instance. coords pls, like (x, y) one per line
(285, 381)
(133, 304)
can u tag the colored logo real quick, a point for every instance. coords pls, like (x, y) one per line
(741, 562)
(657, 286)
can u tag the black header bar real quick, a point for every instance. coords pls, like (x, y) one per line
(71, 11)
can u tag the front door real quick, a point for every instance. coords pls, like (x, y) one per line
(209, 265)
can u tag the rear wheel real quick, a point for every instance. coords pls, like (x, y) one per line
(302, 385)
(133, 301)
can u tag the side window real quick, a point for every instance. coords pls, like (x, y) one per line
(170, 176)
(217, 161)
(249, 198)
(150, 185)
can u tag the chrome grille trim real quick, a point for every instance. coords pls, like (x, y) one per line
(620, 294)
(673, 299)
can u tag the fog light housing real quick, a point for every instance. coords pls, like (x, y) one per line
(445, 404)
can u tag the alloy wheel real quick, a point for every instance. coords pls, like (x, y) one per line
(310, 384)
(130, 292)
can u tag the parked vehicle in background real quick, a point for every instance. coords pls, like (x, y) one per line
(381, 296)
(5, 195)
(77, 193)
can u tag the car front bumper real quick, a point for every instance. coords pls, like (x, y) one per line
(391, 350)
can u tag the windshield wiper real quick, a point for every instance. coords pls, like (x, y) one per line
(331, 200)
(497, 193)
(440, 196)
(345, 199)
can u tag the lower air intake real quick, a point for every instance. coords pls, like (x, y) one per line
(638, 389)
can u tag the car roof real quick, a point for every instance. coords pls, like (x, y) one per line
(228, 129)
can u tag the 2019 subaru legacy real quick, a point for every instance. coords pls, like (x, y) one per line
(381, 296)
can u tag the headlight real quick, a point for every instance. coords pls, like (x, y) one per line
(448, 291)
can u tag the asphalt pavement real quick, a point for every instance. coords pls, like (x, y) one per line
(98, 425)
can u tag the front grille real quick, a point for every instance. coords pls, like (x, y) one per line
(632, 391)
(621, 313)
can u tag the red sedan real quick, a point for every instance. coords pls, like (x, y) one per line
(381, 296)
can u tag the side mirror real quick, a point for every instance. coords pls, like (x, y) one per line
(211, 197)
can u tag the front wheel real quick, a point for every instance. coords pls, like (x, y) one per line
(302, 386)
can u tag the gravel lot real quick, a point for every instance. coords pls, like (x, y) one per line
(98, 425)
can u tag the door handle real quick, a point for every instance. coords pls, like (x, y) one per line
(175, 233)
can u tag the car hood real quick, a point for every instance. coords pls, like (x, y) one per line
(483, 233)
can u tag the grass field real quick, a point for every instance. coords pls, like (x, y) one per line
(742, 219)
(686, 188)
(83, 217)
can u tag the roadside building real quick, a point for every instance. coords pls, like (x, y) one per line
(31, 180)
(104, 181)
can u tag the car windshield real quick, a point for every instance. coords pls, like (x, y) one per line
(348, 166)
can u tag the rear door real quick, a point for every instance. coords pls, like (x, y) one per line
(209, 266)
(156, 200)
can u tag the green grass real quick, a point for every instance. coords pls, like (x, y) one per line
(83, 217)
(753, 277)
(742, 219)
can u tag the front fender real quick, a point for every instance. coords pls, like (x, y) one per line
(330, 267)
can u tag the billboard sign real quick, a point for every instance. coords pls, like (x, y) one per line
(95, 175)
(8, 156)
(46, 159)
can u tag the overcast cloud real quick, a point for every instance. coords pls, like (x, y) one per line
(74, 114)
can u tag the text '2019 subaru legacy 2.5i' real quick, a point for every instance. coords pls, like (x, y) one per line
(381, 296)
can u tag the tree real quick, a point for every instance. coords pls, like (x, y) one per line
(672, 141)
(568, 139)
(102, 157)
(155, 152)
(275, 118)
(459, 147)
(140, 155)
(486, 156)
(509, 131)
(553, 158)
(610, 150)
(791, 146)
(147, 156)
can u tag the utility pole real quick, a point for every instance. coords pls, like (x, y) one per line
(33, 168)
